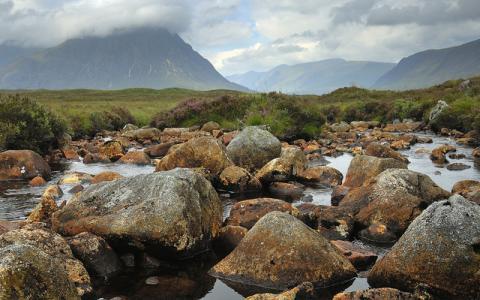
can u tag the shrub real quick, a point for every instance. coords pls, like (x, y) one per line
(114, 119)
(461, 114)
(25, 124)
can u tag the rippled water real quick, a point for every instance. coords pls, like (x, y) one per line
(17, 199)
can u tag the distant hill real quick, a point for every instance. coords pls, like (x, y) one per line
(432, 67)
(315, 77)
(10, 53)
(147, 58)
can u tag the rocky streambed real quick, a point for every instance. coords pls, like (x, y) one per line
(205, 214)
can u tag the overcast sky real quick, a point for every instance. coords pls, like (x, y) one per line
(242, 35)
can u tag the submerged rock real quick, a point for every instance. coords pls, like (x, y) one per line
(253, 147)
(440, 249)
(22, 164)
(173, 213)
(363, 168)
(279, 252)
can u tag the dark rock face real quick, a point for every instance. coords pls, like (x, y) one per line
(22, 164)
(27, 272)
(364, 167)
(281, 251)
(253, 147)
(440, 249)
(177, 212)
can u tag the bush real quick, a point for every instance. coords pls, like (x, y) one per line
(25, 124)
(462, 114)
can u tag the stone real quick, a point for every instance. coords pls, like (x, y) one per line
(43, 211)
(206, 152)
(75, 178)
(279, 252)
(334, 223)
(457, 167)
(159, 150)
(113, 150)
(53, 191)
(238, 180)
(469, 189)
(96, 254)
(403, 127)
(338, 193)
(286, 190)
(400, 145)
(70, 154)
(439, 154)
(291, 162)
(76, 189)
(340, 127)
(253, 147)
(457, 156)
(136, 158)
(360, 258)
(22, 164)
(378, 294)
(247, 212)
(228, 238)
(382, 151)
(321, 175)
(143, 134)
(476, 152)
(106, 176)
(437, 110)
(27, 272)
(305, 290)
(6, 226)
(440, 250)
(174, 213)
(92, 158)
(37, 181)
(364, 168)
(210, 126)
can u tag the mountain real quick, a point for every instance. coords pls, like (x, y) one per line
(147, 57)
(315, 77)
(10, 53)
(432, 67)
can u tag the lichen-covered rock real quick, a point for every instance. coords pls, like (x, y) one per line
(173, 213)
(96, 254)
(279, 252)
(75, 178)
(440, 249)
(238, 180)
(437, 110)
(253, 147)
(363, 168)
(114, 150)
(321, 175)
(378, 294)
(382, 151)
(27, 272)
(136, 158)
(403, 127)
(469, 189)
(43, 211)
(339, 127)
(289, 191)
(206, 152)
(106, 176)
(305, 290)
(22, 164)
(292, 161)
(247, 212)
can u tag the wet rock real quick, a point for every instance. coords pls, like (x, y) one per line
(92, 158)
(206, 152)
(75, 178)
(106, 176)
(238, 180)
(338, 193)
(334, 223)
(136, 158)
(281, 251)
(321, 175)
(382, 151)
(53, 191)
(253, 147)
(424, 140)
(37, 181)
(76, 189)
(96, 254)
(360, 258)
(22, 164)
(228, 238)
(43, 211)
(210, 126)
(378, 294)
(364, 168)
(457, 167)
(439, 154)
(247, 212)
(292, 161)
(288, 190)
(159, 150)
(440, 249)
(305, 290)
(456, 156)
(27, 272)
(469, 189)
(54, 246)
(174, 213)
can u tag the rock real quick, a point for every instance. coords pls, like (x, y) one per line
(206, 152)
(159, 150)
(253, 147)
(53, 191)
(76, 189)
(360, 258)
(437, 110)
(321, 175)
(363, 168)
(403, 127)
(22, 164)
(27, 272)
(338, 193)
(238, 180)
(392, 201)
(70, 154)
(129, 127)
(75, 178)
(334, 223)
(286, 190)
(136, 158)
(153, 280)
(143, 134)
(106, 176)
(305, 290)
(457, 167)
(210, 126)
(247, 212)
(228, 238)
(6, 226)
(174, 213)
(438, 154)
(43, 211)
(469, 189)
(400, 145)
(113, 150)
(424, 140)
(378, 294)
(92, 158)
(291, 162)
(281, 251)
(440, 249)
(379, 150)
(96, 254)
(37, 181)
(476, 152)
(457, 156)
(340, 127)
(360, 124)
(54, 246)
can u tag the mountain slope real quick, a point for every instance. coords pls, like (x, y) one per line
(314, 77)
(9, 53)
(153, 58)
(432, 67)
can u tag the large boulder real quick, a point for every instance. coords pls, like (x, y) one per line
(440, 249)
(363, 168)
(292, 161)
(279, 252)
(22, 164)
(253, 147)
(27, 272)
(172, 213)
(206, 152)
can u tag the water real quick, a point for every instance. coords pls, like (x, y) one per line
(188, 282)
